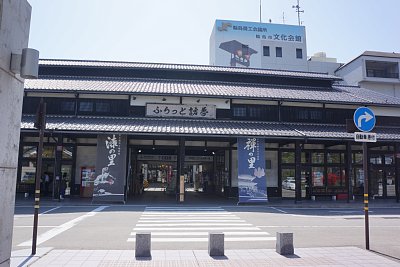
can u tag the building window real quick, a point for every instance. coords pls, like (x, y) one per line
(103, 107)
(86, 106)
(266, 51)
(318, 176)
(239, 112)
(67, 106)
(299, 53)
(278, 51)
(382, 69)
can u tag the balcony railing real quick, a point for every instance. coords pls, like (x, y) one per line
(382, 74)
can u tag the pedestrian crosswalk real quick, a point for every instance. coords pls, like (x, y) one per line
(192, 224)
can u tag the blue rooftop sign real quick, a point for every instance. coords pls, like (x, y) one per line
(364, 119)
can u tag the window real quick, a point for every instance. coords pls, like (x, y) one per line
(68, 106)
(278, 51)
(103, 107)
(335, 158)
(299, 114)
(29, 152)
(239, 112)
(318, 176)
(335, 176)
(317, 157)
(86, 106)
(266, 51)
(288, 157)
(255, 112)
(299, 53)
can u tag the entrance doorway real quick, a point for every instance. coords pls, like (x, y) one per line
(382, 182)
(305, 183)
(288, 183)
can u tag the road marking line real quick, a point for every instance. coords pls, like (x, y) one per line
(62, 228)
(185, 213)
(188, 220)
(187, 217)
(202, 233)
(191, 224)
(47, 211)
(194, 228)
(325, 226)
(31, 226)
(183, 208)
(282, 211)
(205, 239)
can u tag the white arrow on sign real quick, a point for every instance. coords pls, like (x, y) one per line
(367, 117)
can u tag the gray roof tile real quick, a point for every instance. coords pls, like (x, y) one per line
(188, 67)
(201, 127)
(337, 94)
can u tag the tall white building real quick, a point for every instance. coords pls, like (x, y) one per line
(258, 45)
(377, 71)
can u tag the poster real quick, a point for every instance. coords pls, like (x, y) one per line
(110, 179)
(251, 170)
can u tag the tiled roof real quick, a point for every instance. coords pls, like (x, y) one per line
(369, 95)
(191, 127)
(337, 94)
(185, 67)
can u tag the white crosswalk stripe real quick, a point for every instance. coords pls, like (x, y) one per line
(192, 224)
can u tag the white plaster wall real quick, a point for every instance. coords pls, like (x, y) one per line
(14, 34)
(323, 67)
(352, 73)
(85, 157)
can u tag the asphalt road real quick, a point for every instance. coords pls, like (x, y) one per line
(187, 227)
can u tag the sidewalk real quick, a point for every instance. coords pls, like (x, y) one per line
(196, 200)
(324, 256)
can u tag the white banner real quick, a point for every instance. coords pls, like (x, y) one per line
(181, 111)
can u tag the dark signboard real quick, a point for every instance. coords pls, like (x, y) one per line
(109, 184)
(251, 170)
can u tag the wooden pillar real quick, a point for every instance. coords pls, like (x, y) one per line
(298, 171)
(57, 168)
(349, 172)
(181, 164)
(397, 171)
(230, 167)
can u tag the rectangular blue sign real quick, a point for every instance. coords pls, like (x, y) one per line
(252, 181)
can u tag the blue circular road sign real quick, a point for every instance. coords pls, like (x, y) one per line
(364, 119)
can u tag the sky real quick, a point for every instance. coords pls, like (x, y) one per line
(178, 31)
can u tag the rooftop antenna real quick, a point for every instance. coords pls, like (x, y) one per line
(260, 11)
(297, 7)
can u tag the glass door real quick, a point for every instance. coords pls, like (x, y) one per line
(288, 183)
(382, 182)
(305, 183)
(390, 182)
(376, 182)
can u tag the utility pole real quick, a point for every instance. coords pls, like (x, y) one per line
(297, 7)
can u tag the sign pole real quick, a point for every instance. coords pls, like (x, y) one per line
(40, 124)
(364, 119)
(365, 168)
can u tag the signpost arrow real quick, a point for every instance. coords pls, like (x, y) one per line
(367, 117)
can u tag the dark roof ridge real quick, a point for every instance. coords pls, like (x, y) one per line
(227, 83)
(216, 68)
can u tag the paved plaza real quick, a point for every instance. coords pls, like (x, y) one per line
(324, 256)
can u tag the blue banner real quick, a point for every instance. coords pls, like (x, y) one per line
(251, 170)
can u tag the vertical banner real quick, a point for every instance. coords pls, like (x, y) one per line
(251, 170)
(109, 184)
